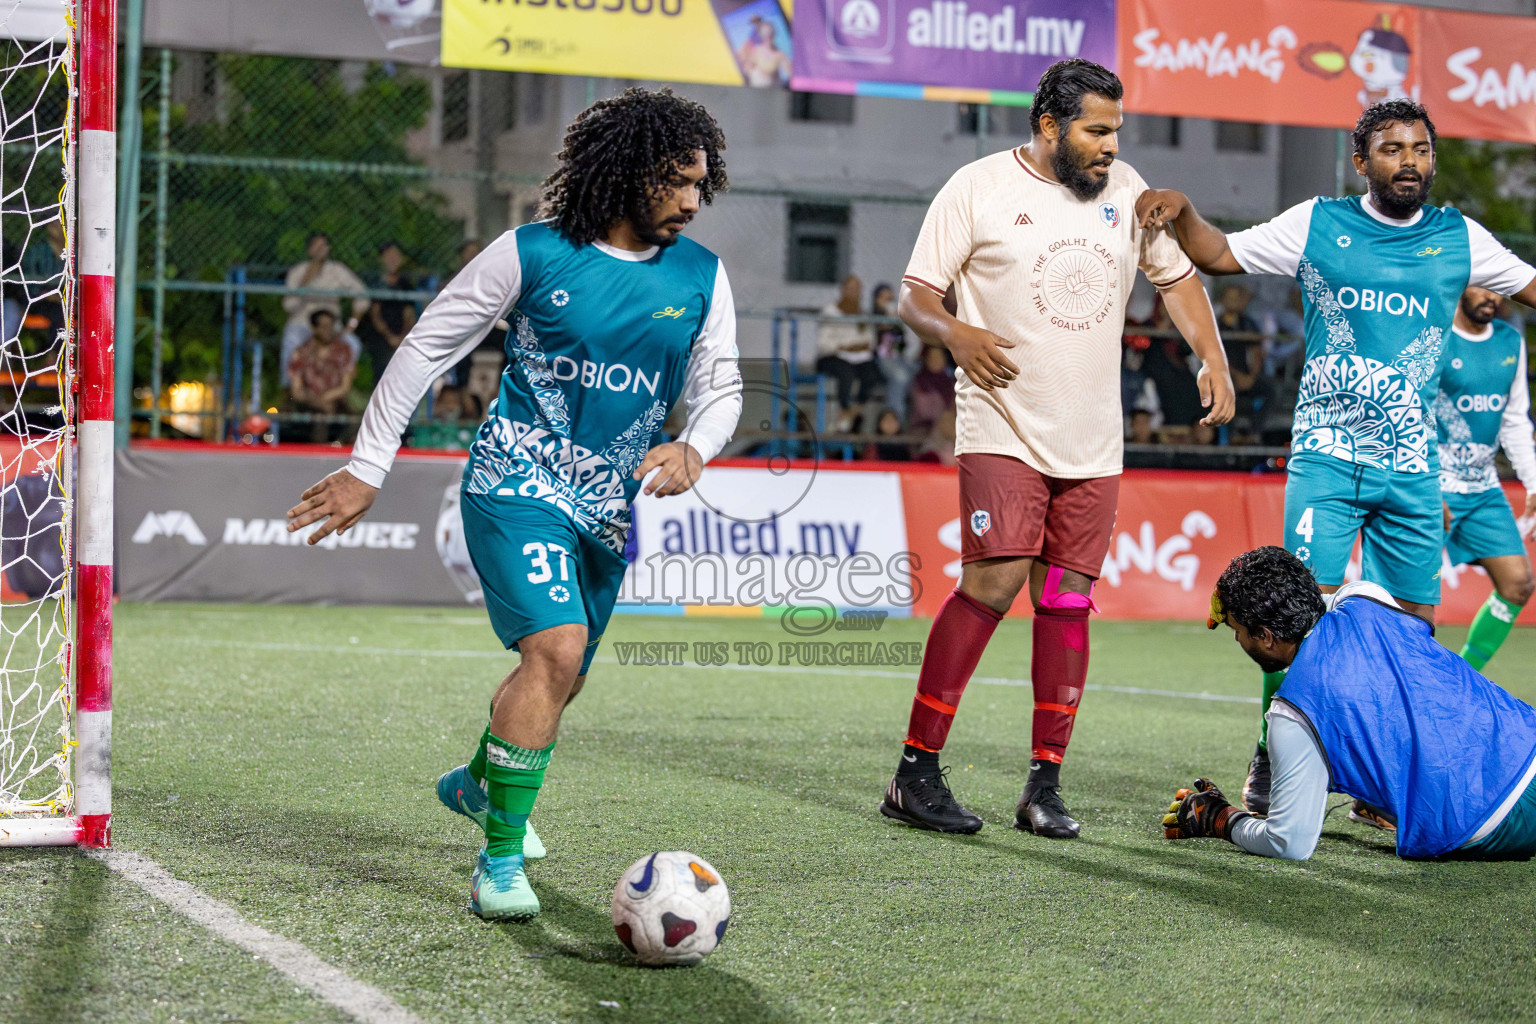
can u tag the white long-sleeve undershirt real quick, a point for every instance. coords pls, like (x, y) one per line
(1515, 432)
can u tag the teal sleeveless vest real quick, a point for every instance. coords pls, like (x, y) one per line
(1474, 387)
(596, 356)
(1378, 303)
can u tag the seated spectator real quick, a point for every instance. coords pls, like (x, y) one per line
(888, 426)
(384, 326)
(1141, 427)
(320, 374)
(449, 405)
(320, 271)
(847, 355)
(896, 352)
(940, 445)
(1245, 352)
(1171, 366)
(932, 391)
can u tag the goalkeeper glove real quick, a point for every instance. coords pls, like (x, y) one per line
(1202, 811)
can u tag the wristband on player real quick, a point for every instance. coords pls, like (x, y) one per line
(1201, 811)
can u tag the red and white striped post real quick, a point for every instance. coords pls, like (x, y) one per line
(96, 249)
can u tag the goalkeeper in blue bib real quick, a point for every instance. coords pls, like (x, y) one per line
(1484, 405)
(1371, 705)
(614, 316)
(1381, 276)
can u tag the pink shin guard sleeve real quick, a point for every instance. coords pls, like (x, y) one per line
(960, 633)
(1059, 665)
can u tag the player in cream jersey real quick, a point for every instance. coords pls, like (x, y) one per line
(1041, 247)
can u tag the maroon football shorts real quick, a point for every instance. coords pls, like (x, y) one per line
(1012, 510)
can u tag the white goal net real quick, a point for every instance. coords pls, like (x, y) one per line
(37, 333)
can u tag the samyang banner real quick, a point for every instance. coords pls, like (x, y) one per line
(720, 42)
(1480, 82)
(1302, 62)
(984, 51)
(1320, 62)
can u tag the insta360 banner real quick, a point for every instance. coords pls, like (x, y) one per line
(1320, 62)
(723, 42)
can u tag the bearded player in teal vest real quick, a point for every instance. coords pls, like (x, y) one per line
(613, 317)
(1381, 275)
(1372, 706)
(1484, 405)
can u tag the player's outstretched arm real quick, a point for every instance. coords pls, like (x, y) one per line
(1205, 243)
(978, 352)
(453, 323)
(1191, 311)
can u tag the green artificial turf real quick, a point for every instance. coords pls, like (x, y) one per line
(282, 760)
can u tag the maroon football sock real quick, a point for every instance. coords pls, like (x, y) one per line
(1058, 670)
(960, 633)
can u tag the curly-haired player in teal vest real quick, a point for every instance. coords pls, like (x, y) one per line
(613, 317)
(1484, 405)
(1380, 275)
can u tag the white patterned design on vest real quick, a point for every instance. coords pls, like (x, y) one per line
(1341, 337)
(627, 450)
(535, 367)
(1466, 467)
(1363, 411)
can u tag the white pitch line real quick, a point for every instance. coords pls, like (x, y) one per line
(357, 999)
(409, 652)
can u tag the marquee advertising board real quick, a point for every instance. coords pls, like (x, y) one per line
(205, 524)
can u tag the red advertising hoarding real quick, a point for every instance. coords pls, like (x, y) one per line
(1320, 62)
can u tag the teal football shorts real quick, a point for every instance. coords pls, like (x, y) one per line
(1397, 515)
(1482, 526)
(538, 569)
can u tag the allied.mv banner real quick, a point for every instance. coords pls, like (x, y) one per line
(989, 51)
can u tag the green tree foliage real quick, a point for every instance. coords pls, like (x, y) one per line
(265, 175)
(1489, 181)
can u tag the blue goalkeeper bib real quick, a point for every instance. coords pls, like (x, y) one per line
(1407, 725)
(1474, 387)
(596, 356)
(1378, 302)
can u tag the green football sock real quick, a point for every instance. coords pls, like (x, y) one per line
(1490, 628)
(513, 776)
(477, 763)
(1272, 681)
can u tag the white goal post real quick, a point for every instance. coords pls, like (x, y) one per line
(58, 157)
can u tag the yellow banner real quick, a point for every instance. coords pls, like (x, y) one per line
(722, 42)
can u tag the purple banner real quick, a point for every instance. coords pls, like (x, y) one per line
(929, 48)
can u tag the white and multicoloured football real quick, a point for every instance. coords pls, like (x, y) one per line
(671, 909)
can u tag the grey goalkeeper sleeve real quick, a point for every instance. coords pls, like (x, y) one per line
(1298, 796)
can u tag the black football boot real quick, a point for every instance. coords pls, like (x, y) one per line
(925, 801)
(1040, 808)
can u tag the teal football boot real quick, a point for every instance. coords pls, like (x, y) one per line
(461, 794)
(499, 889)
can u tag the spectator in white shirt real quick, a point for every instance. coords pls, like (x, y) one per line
(320, 271)
(847, 354)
